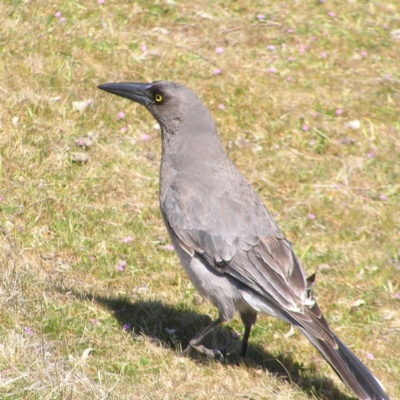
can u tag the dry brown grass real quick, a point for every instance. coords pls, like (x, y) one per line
(63, 304)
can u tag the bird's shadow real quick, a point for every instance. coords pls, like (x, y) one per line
(173, 326)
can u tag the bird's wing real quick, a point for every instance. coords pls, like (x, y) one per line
(235, 234)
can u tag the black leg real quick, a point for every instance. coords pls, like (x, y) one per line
(245, 340)
(249, 319)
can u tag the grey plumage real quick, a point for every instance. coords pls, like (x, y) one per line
(224, 236)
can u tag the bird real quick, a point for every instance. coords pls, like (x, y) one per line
(226, 239)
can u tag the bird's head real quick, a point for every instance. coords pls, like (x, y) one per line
(168, 102)
(187, 126)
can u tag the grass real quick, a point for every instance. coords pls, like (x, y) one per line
(72, 325)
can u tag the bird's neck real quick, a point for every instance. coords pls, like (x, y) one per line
(191, 146)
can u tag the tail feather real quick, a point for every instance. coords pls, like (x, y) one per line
(350, 369)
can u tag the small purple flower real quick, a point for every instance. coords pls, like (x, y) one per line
(312, 142)
(127, 239)
(383, 197)
(363, 54)
(305, 128)
(93, 321)
(145, 137)
(339, 111)
(1, 198)
(397, 295)
(57, 14)
(121, 266)
(322, 54)
(271, 47)
(289, 78)
(62, 19)
(311, 216)
(219, 50)
(28, 330)
(315, 114)
(314, 38)
(100, 1)
(272, 70)
(40, 184)
(370, 356)
(291, 58)
(143, 47)
(221, 106)
(121, 115)
(126, 327)
(217, 71)
(124, 129)
(169, 247)
(331, 14)
(260, 17)
(235, 335)
(370, 155)
(290, 30)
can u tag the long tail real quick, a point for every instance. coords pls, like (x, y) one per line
(350, 369)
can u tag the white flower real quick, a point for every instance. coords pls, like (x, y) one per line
(356, 124)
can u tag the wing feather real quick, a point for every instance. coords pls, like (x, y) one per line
(245, 243)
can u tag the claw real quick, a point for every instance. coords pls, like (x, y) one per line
(213, 354)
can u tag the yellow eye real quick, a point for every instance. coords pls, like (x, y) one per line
(158, 98)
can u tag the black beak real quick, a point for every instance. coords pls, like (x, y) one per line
(134, 91)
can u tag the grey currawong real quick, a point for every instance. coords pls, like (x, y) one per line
(225, 238)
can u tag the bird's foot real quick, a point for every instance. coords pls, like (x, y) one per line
(212, 354)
